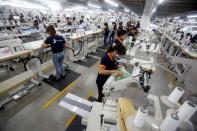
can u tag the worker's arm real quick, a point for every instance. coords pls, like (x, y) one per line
(67, 46)
(44, 45)
(103, 71)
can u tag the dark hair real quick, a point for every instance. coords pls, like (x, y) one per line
(120, 48)
(114, 23)
(121, 33)
(105, 24)
(51, 30)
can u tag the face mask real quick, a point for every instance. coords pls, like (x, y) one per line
(116, 57)
(47, 35)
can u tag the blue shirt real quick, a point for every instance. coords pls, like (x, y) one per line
(56, 42)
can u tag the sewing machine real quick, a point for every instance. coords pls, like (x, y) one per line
(117, 109)
(84, 43)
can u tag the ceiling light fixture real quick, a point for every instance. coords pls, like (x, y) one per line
(192, 20)
(126, 10)
(94, 6)
(153, 11)
(51, 4)
(161, 1)
(112, 3)
(176, 17)
(110, 10)
(191, 16)
(23, 4)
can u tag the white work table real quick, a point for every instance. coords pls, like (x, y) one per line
(29, 47)
(87, 33)
(27, 33)
(10, 56)
(144, 64)
(35, 45)
(154, 48)
(176, 43)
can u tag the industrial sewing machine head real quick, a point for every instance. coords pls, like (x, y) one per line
(124, 86)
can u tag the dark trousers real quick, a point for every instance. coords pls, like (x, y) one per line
(100, 94)
(106, 38)
(111, 39)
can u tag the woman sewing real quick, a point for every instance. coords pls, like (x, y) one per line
(108, 66)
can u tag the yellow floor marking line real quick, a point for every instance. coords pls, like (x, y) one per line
(69, 121)
(52, 100)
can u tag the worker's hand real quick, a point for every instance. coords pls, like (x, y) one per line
(120, 65)
(118, 73)
(42, 45)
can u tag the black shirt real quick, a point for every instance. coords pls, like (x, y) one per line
(116, 42)
(109, 64)
(114, 29)
(106, 32)
(56, 42)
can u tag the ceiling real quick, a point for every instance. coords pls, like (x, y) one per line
(167, 8)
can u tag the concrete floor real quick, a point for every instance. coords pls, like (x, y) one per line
(29, 114)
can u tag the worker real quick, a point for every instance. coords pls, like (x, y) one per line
(57, 44)
(120, 27)
(81, 20)
(67, 20)
(133, 32)
(121, 35)
(138, 25)
(113, 32)
(108, 66)
(128, 25)
(106, 34)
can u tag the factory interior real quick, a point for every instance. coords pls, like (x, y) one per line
(98, 65)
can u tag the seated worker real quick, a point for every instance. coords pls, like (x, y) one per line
(108, 66)
(57, 44)
(121, 36)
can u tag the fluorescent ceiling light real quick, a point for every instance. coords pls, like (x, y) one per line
(52, 4)
(126, 10)
(161, 1)
(111, 10)
(81, 7)
(153, 10)
(98, 10)
(191, 16)
(192, 20)
(176, 17)
(2, 3)
(23, 4)
(111, 2)
(76, 8)
(94, 6)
